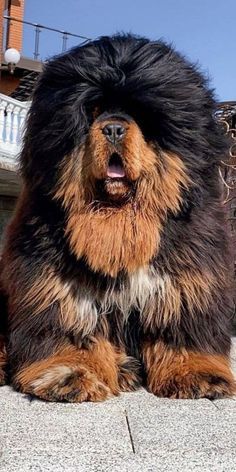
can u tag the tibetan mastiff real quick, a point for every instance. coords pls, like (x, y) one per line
(116, 267)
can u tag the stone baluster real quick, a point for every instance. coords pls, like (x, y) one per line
(12, 122)
(9, 110)
(23, 114)
(3, 105)
(15, 125)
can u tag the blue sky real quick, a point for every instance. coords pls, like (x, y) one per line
(204, 30)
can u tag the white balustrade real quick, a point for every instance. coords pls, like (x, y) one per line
(12, 118)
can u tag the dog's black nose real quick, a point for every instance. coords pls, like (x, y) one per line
(114, 132)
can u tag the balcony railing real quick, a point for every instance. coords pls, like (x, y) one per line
(34, 38)
(12, 119)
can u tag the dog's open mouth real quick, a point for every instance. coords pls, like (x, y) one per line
(115, 169)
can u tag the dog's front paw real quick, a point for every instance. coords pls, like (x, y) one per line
(187, 374)
(194, 385)
(65, 383)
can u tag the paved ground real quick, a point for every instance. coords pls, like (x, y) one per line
(136, 432)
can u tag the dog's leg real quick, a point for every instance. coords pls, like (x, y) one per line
(186, 352)
(184, 373)
(47, 351)
(72, 374)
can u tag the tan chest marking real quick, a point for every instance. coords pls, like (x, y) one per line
(112, 241)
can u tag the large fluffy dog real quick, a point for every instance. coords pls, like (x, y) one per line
(116, 267)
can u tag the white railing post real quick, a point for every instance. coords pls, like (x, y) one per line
(12, 118)
(22, 121)
(15, 125)
(3, 105)
(9, 109)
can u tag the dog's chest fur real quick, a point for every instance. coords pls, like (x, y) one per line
(142, 290)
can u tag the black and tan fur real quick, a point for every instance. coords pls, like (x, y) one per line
(111, 283)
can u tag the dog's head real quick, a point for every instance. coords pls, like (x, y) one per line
(118, 106)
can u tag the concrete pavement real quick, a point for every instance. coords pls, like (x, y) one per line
(135, 432)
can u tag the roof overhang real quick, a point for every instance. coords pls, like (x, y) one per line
(26, 63)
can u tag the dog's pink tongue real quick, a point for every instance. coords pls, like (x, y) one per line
(115, 171)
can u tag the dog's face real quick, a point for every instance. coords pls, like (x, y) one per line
(123, 99)
(118, 105)
(117, 155)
